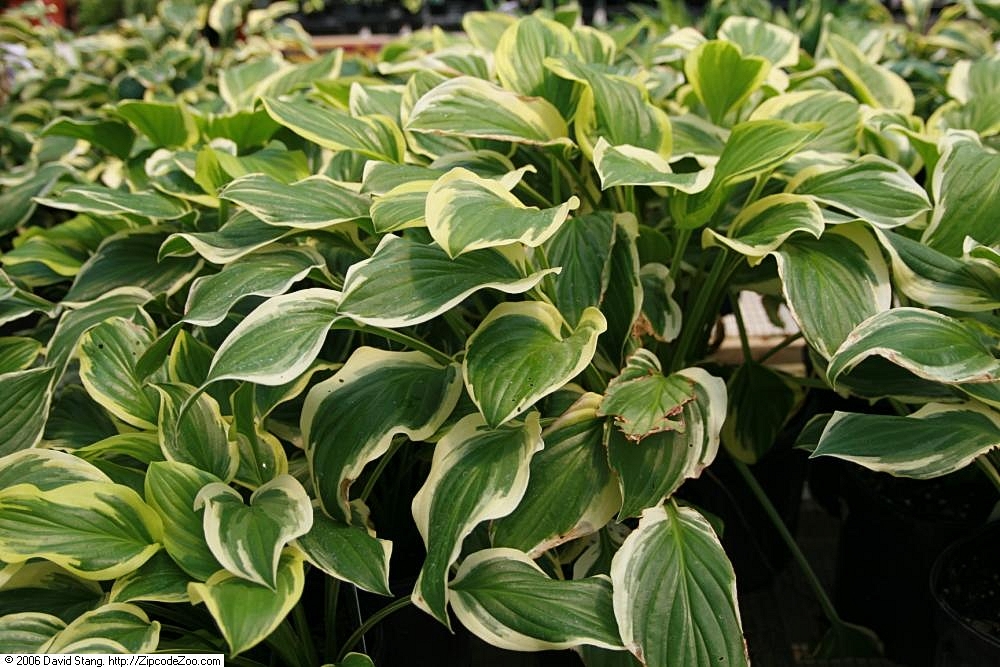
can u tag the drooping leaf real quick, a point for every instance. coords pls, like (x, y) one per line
(519, 354)
(28, 632)
(247, 613)
(46, 469)
(25, 397)
(316, 202)
(935, 440)
(760, 228)
(833, 283)
(631, 165)
(40, 586)
(18, 201)
(171, 488)
(839, 113)
(191, 430)
(675, 592)
(406, 283)
(113, 136)
(165, 124)
(261, 455)
(928, 344)
(248, 539)
(505, 599)
(571, 491)
(96, 530)
(241, 235)
(752, 425)
(871, 187)
(477, 474)
(661, 315)
(621, 301)
(278, 340)
(469, 107)
(18, 353)
(350, 419)
(349, 553)
(266, 273)
(466, 212)
(581, 248)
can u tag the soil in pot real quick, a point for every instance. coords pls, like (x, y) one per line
(965, 584)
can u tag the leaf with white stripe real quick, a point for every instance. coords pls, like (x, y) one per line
(839, 113)
(25, 397)
(571, 492)
(505, 599)
(582, 248)
(926, 343)
(265, 273)
(247, 613)
(401, 207)
(871, 187)
(192, 430)
(18, 353)
(722, 77)
(631, 165)
(764, 225)
(661, 315)
(935, 440)
(279, 340)
(248, 540)
(780, 46)
(519, 60)
(46, 469)
(477, 474)
(348, 553)
(240, 235)
(519, 354)
(406, 283)
(122, 623)
(675, 592)
(96, 530)
(350, 419)
(833, 283)
(159, 579)
(467, 212)
(875, 85)
(28, 632)
(316, 202)
(469, 107)
(98, 200)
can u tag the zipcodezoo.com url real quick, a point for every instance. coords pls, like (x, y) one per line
(109, 660)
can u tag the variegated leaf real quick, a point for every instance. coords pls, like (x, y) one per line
(675, 592)
(350, 419)
(18, 353)
(519, 354)
(241, 235)
(248, 540)
(764, 225)
(582, 248)
(46, 469)
(348, 553)
(159, 579)
(25, 397)
(316, 202)
(631, 165)
(98, 200)
(839, 113)
(28, 632)
(661, 315)
(520, 55)
(122, 623)
(505, 599)
(874, 85)
(722, 77)
(191, 430)
(754, 37)
(477, 474)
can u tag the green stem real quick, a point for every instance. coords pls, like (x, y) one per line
(408, 341)
(779, 524)
(306, 646)
(332, 590)
(703, 312)
(989, 469)
(372, 621)
(556, 179)
(536, 195)
(377, 472)
(574, 175)
(683, 238)
(788, 340)
(741, 327)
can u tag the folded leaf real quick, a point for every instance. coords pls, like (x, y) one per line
(348, 553)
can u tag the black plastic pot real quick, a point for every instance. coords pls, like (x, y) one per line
(965, 585)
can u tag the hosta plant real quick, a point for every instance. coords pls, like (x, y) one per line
(256, 334)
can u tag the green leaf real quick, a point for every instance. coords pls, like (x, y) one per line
(171, 488)
(505, 599)
(350, 419)
(621, 301)
(839, 113)
(46, 469)
(466, 212)
(722, 77)
(752, 425)
(375, 137)
(98, 200)
(755, 37)
(313, 203)
(675, 592)
(760, 228)
(406, 283)
(241, 235)
(159, 579)
(348, 553)
(248, 540)
(278, 340)
(165, 124)
(571, 491)
(582, 248)
(113, 136)
(871, 187)
(874, 85)
(932, 278)
(261, 455)
(244, 128)
(477, 474)
(469, 107)
(971, 79)
(108, 356)
(485, 28)
(18, 353)
(401, 207)
(833, 283)
(247, 613)
(44, 587)
(518, 355)
(614, 108)
(191, 430)
(928, 344)
(124, 624)
(18, 200)
(631, 165)
(265, 273)
(273, 160)
(96, 530)
(25, 397)
(519, 60)
(967, 196)
(661, 316)
(28, 632)
(935, 440)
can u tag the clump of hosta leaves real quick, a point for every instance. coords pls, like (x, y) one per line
(257, 331)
